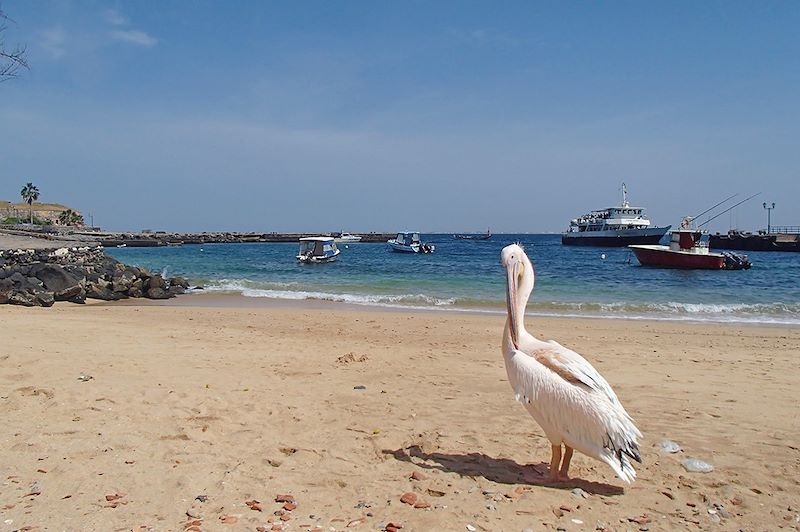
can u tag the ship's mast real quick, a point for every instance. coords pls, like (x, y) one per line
(624, 196)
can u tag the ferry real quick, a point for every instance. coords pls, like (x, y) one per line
(615, 226)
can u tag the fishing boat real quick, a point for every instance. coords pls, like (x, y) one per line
(485, 236)
(615, 226)
(409, 242)
(316, 249)
(347, 238)
(688, 251)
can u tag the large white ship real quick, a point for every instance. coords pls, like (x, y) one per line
(615, 226)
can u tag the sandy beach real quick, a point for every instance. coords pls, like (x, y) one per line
(179, 415)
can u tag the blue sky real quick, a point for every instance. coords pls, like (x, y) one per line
(440, 116)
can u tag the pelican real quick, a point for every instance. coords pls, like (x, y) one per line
(566, 396)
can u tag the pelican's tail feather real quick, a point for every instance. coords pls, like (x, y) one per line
(620, 459)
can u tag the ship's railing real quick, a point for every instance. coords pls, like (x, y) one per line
(786, 229)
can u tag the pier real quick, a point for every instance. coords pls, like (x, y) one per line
(781, 238)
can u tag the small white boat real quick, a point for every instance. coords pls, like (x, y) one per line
(409, 242)
(316, 249)
(347, 238)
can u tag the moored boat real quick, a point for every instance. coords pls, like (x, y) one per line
(347, 238)
(687, 250)
(409, 242)
(484, 236)
(316, 249)
(614, 227)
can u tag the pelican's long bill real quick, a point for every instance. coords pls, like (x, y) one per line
(513, 273)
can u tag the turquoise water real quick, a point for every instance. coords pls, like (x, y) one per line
(466, 275)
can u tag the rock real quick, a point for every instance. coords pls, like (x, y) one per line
(578, 492)
(422, 504)
(408, 498)
(156, 281)
(284, 498)
(22, 298)
(62, 283)
(416, 475)
(122, 281)
(157, 293)
(179, 281)
(45, 299)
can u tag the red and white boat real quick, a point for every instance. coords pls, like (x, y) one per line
(688, 251)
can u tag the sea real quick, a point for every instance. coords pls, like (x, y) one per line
(466, 276)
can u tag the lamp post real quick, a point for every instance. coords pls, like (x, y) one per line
(769, 207)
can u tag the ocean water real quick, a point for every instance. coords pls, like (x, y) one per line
(465, 275)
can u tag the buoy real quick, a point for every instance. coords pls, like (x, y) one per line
(603, 256)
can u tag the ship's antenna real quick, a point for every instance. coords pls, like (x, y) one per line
(624, 195)
(728, 209)
(715, 206)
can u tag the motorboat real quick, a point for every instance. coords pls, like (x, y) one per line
(409, 242)
(316, 249)
(618, 226)
(347, 238)
(689, 251)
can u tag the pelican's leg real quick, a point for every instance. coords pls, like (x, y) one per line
(554, 461)
(563, 474)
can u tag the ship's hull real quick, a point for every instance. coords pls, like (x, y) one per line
(664, 257)
(612, 238)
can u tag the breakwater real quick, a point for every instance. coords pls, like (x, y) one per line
(177, 239)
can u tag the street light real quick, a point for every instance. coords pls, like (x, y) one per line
(769, 207)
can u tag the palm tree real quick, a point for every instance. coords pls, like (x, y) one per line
(30, 194)
(70, 217)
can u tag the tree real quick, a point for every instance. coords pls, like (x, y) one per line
(12, 59)
(30, 194)
(70, 217)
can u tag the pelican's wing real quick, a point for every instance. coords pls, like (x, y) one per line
(560, 398)
(571, 367)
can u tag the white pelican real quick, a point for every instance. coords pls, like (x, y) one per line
(569, 399)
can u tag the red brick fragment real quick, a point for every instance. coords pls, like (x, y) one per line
(289, 506)
(409, 498)
(284, 498)
(416, 475)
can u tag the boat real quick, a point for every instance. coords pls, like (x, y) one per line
(688, 251)
(409, 242)
(485, 236)
(316, 249)
(615, 226)
(347, 238)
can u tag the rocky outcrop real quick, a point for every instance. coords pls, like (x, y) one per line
(41, 277)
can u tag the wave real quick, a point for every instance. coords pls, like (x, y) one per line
(778, 313)
(281, 291)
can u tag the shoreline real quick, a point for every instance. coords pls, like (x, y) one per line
(224, 299)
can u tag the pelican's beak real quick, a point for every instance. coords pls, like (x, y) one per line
(513, 273)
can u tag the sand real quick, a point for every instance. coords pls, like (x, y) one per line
(191, 412)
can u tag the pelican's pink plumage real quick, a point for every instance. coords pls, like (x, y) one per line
(569, 399)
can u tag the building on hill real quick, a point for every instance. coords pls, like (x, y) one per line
(46, 212)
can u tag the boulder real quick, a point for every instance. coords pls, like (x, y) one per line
(45, 298)
(122, 281)
(179, 281)
(157, 293)
(24, 299)
(155, 281)
(61, 283)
